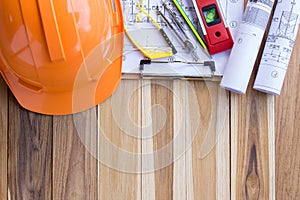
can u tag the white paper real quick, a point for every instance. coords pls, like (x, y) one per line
(232, 11)
(247, 43)
(278, 48)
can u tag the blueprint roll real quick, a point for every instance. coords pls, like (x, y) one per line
(278, 48)
(246, 45)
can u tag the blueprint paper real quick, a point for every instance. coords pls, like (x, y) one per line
(246, 47)
(278, 48)
(232, 11)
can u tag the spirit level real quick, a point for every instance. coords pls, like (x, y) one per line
(216, 33)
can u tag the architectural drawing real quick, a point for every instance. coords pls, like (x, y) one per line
(226, 7)
(279, 47)
(281, 37)
(232, 10)
(249, 38)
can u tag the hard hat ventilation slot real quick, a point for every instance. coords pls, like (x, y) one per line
(51, 30)
(30, 86)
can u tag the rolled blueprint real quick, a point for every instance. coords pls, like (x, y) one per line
(246, 47)
(278, 48)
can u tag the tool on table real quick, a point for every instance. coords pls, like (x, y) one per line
(160, 69)
(183, 38)
(215, 29)
(157, 25)
(146, 40)
(191, 26)
(232, 12)
(209, 63)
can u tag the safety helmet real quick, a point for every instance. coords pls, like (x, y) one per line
(62, 56)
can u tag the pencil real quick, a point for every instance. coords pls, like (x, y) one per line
(190, 24)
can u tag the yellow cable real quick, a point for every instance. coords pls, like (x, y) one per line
(147, 14)
(153, 54)
(150, 54)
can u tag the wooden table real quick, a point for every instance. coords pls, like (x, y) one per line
(221, 145)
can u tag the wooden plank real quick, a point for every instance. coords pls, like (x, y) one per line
(179, 135)
(3, 139)
(222, 115)
(162, 133)
(252, 130)
(207, 159)
(287, 132)
(29, 156)
(74, 167)
(252, 146)
(198, 110)
(148, 162)
(119, 143)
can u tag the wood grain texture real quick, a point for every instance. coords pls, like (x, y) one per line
(67, 157)
(252, 144)
(162, 123)
(180, 101)
(288, 132)
(200, 111)
(3, 139)
(29, 156)
(74, 168)
(119, 144)
(209, 153)
(148, 162)
(222, 126)
(204, 168)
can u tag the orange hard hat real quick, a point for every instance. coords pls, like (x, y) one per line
(61, 57)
